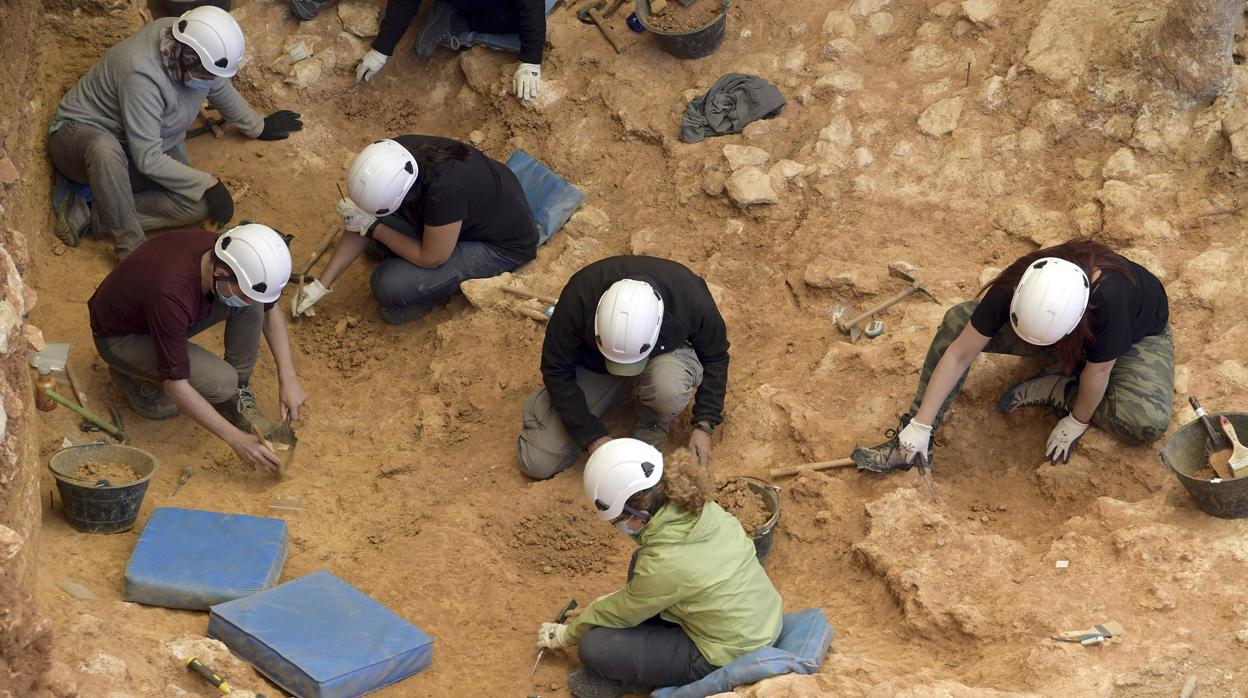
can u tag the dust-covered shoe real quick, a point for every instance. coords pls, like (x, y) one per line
(148, 400)
(585, 684)
(307, 9)
(887, 456)
(1041, 390)
(73, 213)
(443, 22)
(651, 433)
(242, 411)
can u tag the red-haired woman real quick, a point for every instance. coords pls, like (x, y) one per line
(1081, 304)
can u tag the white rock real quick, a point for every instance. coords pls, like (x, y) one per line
(106, 665)
(750, 186)
(304, 74)
(841, 82)
(862, 8)
(1031, 141)
(1156, 231)
(1182, 379)
(839, 131)
(837, 49)
(713, 181)
(360, 17)
(880, 23)
(1084, 168)
(1239, 145)
(981, 12)
(945, 10)
(1018, 218)
(588, 221)
(902, 150)
(1233, 373)
(1147, 259)
(839, 25)
(992, 94)
(941, 118)
(988, 274)
(784, 170)
(863, 157)
(1121, 165)
(930, 58)
(1055, 118)
(739, 156)
(1086, 219)
(476, 138)
(1206, 274)
(734, 226)
(10, 542)
(864, 184)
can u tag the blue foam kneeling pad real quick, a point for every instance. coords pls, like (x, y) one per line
(551, 199)
(194, 559)
(319, 637)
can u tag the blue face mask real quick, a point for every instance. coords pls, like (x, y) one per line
(622, 527)
(229, 299)
(199, 83)
(622, 524)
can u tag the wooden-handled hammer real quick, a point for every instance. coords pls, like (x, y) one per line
(853, 326)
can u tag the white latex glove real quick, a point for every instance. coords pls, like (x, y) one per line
(1063, 438)
(527, 81)
(302, 302)
(552, 636)
(914, 440)
(355, 218)
(370, 64)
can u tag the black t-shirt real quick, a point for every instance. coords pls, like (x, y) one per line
(481, 192)
(1122, 311)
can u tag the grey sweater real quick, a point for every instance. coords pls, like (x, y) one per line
(129, 94)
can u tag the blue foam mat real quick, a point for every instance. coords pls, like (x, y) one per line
(319, 637)
(551, 199)
(193, 559)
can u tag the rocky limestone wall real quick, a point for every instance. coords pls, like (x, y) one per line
(25, 637)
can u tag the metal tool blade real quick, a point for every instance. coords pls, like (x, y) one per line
(927, 480)
(533, 671)
(185, 477)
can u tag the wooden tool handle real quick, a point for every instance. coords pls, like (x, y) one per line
(811, 467)
(208, 121)
(526, 293)
(531, 313)
(318, 251)
(880, 308)
(73, 384)
(595, 15)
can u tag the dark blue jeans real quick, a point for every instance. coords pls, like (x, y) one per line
(399, 284)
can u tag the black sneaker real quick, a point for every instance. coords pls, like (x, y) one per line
(443, 22)
(242, 411)
(887, 456)
(307, 9)
(585, 684)
(1041, 390)
(148, 400)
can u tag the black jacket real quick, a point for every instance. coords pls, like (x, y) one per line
(529, 17)
(689, 317)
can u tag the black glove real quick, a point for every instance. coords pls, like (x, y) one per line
(280, 124)
(220, 204)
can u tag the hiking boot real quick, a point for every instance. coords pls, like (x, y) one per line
(242, 411)
(586, 684)
(1041, 390)
(404, 314)
(148, 400)
(307, 9)
(443, 23)
(651, 433)
(73, 212)
(887, 456)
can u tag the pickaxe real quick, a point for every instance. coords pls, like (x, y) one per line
(853, 326)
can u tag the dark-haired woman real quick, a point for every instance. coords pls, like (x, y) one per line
(696, 597)
(443, 212)
(1103, 319)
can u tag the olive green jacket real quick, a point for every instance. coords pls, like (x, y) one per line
(700, 573)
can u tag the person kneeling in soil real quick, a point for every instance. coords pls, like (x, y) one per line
(122, 130)
(175, 286)
(1076, 303)
(442, 213)
(696, 597)
(639, 324)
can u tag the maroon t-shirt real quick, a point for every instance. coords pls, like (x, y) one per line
(156, 291)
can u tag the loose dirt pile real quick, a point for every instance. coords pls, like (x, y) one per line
(678, 18)
(92, 471)
(563, 542)
(736, 497)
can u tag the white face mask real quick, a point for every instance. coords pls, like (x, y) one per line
(229, 299)
(622, 527)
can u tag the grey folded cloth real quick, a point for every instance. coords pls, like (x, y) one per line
(733, 102)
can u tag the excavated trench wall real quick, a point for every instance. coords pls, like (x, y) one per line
(25, 638)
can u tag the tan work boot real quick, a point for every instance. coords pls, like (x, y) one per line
(242, 411)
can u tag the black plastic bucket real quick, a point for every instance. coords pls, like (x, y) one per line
(765, 534)
(104, 509)
(698, 43)
(1187, 450)
(175, 8)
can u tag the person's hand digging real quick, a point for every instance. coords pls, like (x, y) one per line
(291, 396)
(304, 299)
(370, 65)
(220, 203)
(280, 124)
(700, 444)
(914, 440)
(354, 218)
(1063, 438)
(250, 449)
(527, 81)
(552, 636)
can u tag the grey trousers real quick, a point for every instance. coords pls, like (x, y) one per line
(661, 392)
(127, 202)
(216, 379)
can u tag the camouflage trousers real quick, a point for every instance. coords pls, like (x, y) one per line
(1138, 400)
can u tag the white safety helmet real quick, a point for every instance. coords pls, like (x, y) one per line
(626, 325)
(215, 36)
(619, 469)
(259, 258)
(1049, 301)
(381, 176)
